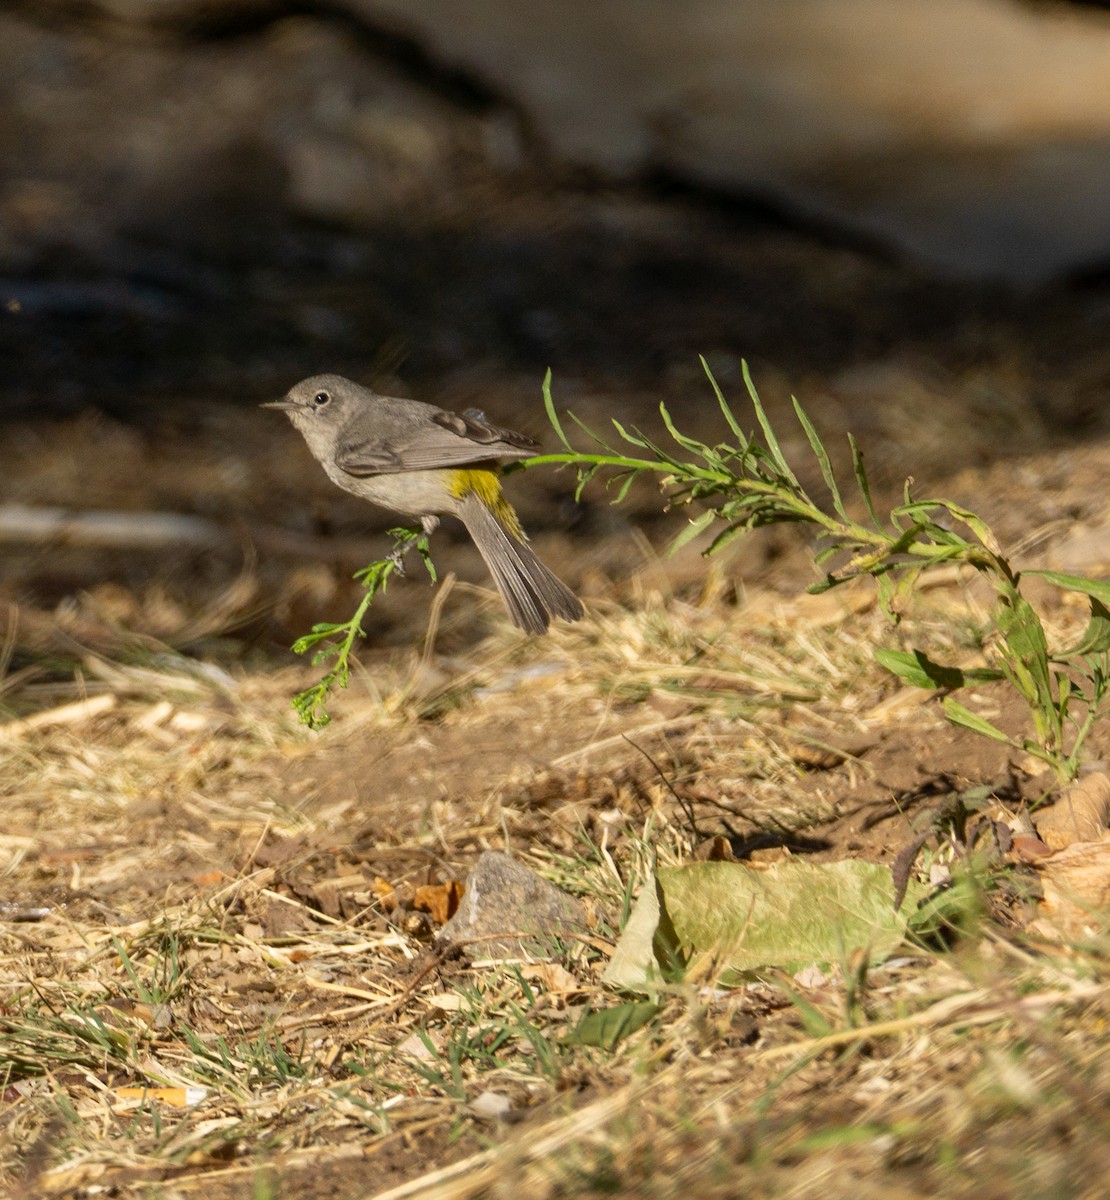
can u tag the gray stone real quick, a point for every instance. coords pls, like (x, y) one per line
(503, 897)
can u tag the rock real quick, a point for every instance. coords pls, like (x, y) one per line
(491, 1106)
(503, 897)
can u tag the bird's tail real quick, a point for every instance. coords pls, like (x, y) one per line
(532, 594)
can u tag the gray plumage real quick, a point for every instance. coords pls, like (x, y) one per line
(424, 462)
(532, 594)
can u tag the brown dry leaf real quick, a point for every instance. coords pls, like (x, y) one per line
(1029, 849)
(439, 900)
(416, 1045)
(1082, 814)
(385, 893)
(554, 978)
(1076, 884)
(767, 856)
(326, 894)
(68, 1178)
(714, 849)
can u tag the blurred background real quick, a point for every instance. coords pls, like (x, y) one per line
(899, 212)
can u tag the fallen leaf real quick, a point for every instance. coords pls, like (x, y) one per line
(417, 1045)
(385, 893)
(606, 1027)
(714, 849)
(1081, 814)
(1029, 849)
(713, 915)
(1076, 884)
(446, 1002)
(439, 900)
(555, 979)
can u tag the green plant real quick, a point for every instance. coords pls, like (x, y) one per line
(166, 972)
(337, 640)
(745, 483)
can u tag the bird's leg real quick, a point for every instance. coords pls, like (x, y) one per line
(400, 548)
(428, 526)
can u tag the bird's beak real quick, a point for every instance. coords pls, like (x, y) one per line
(284, 403)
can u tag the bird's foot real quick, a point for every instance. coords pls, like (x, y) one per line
(397, 555)
(411, 537)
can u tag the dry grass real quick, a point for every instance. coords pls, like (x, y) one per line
(217, 1002)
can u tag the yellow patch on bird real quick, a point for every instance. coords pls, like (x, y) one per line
(487, 487)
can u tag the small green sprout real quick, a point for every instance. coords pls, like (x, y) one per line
(337, 641)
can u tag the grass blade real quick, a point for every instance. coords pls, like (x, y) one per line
(1097, 589)
(959, 715)
(729, 416)
(861, 479)
(552, 415)
(768, 431)
(822, 456)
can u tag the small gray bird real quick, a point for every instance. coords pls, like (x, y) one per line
(421, 461)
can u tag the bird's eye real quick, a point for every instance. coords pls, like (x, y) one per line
(321, 398)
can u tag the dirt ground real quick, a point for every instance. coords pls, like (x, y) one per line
(210, 881)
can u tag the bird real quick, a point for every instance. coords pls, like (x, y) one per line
(425, 462)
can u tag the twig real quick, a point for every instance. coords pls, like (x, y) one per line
(68, 714)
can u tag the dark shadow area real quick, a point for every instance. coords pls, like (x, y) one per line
(210, 269)
(201, 205)
(620, 284)
(744, 845)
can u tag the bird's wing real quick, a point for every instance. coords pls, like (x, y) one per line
(446, 439)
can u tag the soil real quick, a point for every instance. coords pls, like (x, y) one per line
(471, 737)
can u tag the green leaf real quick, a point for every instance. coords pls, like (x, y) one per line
(884, 584)
(687, 443)
(339, 638)
(916, 668)
(633, 439)
(861, 479)
(1064, 690)
(977, 525)
(596, 438)
(607, 1027)
(552, 415)
(1025, 651)
(953, 908)
(629, 478)
(822, 456)
(724, 538)
(959, 715)
(1098, 589)
(698, 525)
(791, 915)
(1096, 637)
(729, 416)
(768, 431)
(919, 670)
